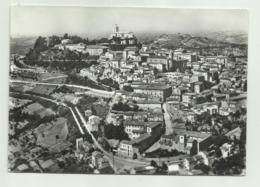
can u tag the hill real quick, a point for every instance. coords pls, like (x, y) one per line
(21, 45)
(173, 41)
(228, 36)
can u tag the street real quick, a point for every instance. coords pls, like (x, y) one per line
(167, 120)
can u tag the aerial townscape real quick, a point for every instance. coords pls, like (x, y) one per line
(158, 104)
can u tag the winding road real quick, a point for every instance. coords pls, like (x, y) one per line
(167, 120)
(93, 91)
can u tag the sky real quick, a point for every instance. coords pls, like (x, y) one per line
(93, 21)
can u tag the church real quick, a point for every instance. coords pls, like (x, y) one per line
(120, 40)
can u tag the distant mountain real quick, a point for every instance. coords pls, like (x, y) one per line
(21, 45)
(227, 36)
(186, 41)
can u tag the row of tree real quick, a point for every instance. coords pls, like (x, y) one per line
(115, 132)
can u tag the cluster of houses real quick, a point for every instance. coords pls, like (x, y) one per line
(188, 83)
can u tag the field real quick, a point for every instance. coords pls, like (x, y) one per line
(53, 135)
(53, 77)
(21, 45)
(37, 108)
(43, 89)
(15, 102)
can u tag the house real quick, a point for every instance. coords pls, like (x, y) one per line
(161, 63)
(173, 169)
(93, 123)
(88, 113)
(198, 87)
(47, 164)
(98, 161)
(142, 170)
(135, 147)
(23, 168)
(119, 38)
(189, 98)
(203, 73)
(130, 53)
(161, 92)
(149, 104)
(155, 116)
(225, 150)
(135, 129)
(179, 65)
(171, 142)
(96, 50)
(234, 134)
(80, 47)
(187, 137)
(66, 41)
(88, 72)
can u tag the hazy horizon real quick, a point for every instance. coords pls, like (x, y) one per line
(99, 21)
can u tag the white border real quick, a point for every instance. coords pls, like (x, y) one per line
(46, 180)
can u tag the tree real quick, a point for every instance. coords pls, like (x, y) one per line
(40, 44)
(194, 148)
(128, 88)
(245, 87)
(31, 57)
(108, 131)
(121, 132)
(93, 110)
(134, 156)
(66, 36)
(54, 40)
(164, 166)
(153, 164)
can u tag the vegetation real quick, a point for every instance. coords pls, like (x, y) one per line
(128, 88)
(124, 107)
(162, 153)
(194, 148)
(115, 132)
(84, 81)
(62, 89)
(110, 82)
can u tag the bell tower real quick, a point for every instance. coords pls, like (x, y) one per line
(116, 28)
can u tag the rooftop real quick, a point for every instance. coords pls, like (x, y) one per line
(158, 57)
(152, 87)
(141, 138)
(196, 134)
(96, 47)
(148, 102)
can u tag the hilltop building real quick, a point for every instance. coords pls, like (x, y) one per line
(120, 40)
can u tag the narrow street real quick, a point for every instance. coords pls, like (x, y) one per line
(116, 161)
(168, 122)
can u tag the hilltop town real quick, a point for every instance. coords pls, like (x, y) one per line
(175, 104)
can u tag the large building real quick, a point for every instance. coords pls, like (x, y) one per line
(80, 47)
(179, 65)
(151, 132)
(181, 54)
(135, 128)
(161, 63)
(96, 50)
(120, 40)
(161, 92)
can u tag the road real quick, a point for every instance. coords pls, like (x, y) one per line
(119, 162)
(62, 104)
(96, 92)
(167, 120)
(116, 161)
(57, 77)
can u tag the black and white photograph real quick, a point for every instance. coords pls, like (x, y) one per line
(128, 91)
